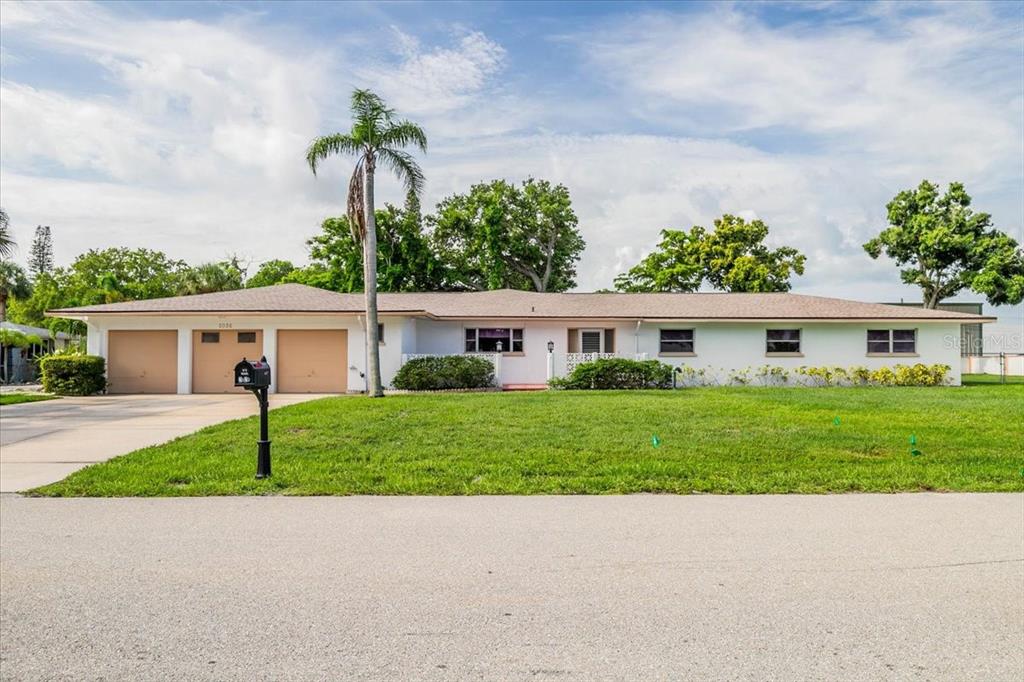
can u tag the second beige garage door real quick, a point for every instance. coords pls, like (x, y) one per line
(215, 354)
(312, 360)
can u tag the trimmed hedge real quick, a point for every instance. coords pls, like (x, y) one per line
(73, 374)
(616, 373)
(445, 372)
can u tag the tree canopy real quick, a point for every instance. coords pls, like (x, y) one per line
(944, 247)
(500, 236)
(40, 259)
(732, 257)
(271, 272)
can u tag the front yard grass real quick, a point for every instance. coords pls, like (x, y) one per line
(971, 379)
(717, 440)
(16, 398)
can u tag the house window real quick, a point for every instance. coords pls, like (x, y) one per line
(486, 340)
(210, 337)
(246, 337)
(892, 341)
(783, 341)
(591, 341)
(676, 341)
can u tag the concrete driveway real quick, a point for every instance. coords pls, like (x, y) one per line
(831, 587)
(44, 442)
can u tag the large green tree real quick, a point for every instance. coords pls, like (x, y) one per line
(40, 255)
(500, 236)
(99, 276)
(404, 259)
(211, 277)
(271, 272)
(13, 284)
(944, 247)
(376, 137)
(732, 257)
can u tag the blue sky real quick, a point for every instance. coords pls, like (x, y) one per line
(181, 126)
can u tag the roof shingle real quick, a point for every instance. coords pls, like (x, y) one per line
(505, 303)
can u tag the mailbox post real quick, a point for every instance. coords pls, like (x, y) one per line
(255, 376)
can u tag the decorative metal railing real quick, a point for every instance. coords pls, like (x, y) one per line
(574, 359)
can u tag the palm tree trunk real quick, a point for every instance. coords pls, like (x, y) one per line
(373, 386)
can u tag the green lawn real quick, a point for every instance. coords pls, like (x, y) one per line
(15, 398)
(971, 379)
(722, 440)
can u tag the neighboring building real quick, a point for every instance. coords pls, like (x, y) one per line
(313, 339)
(18, 365)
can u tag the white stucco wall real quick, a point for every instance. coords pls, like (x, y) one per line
(719, 347)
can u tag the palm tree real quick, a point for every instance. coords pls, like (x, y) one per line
(376, 136)
(6, 238)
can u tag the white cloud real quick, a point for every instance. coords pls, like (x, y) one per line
(438, 80)
(197, 146)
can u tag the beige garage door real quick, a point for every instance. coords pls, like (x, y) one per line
(215, 354)
(312, 360)
(142, 361)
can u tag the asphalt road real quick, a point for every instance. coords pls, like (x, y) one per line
(921, 586)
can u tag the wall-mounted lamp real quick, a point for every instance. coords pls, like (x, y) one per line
(551, 346)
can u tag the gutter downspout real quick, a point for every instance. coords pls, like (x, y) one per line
(636, 340)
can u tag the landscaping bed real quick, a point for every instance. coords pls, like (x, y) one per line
(712, 440)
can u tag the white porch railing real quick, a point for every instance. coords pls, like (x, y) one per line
(495, 359)
(573, 359)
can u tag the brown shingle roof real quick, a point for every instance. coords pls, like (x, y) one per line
(505, 303)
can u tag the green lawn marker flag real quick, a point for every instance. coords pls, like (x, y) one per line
(836, 421)
(913, 443)
(655, 441)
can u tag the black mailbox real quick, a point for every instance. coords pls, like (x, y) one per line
(252, 373)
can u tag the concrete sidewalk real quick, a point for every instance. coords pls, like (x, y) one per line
(831, 587)
(45, 441)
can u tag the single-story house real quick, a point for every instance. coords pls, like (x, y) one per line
(313, 339)
(18, 365)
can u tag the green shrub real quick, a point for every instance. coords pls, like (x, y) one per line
(73, 374)
(446, 372)
(614, 373)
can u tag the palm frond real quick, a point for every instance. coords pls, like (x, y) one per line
(328, 145)
(404, 166)
(403, 134)
(356, 203)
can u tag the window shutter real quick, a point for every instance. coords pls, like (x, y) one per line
(609, 340)
(574, 341)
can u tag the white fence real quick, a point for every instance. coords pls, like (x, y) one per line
(1002, 364)
(574, 359)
